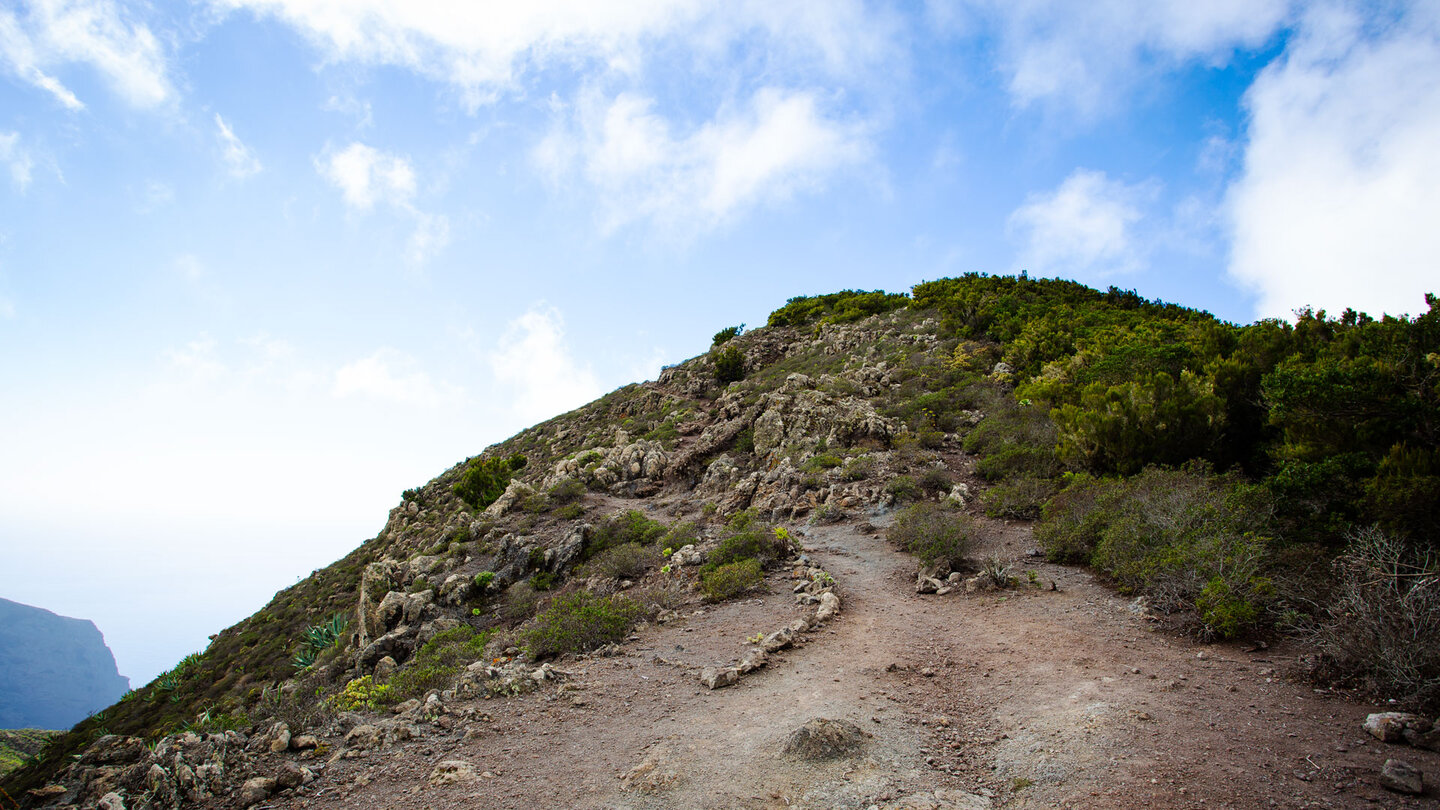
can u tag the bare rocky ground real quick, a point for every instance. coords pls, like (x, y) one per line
(1025, 698)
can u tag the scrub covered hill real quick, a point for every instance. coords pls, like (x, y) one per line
(1245, 480)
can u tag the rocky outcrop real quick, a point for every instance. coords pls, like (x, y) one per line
(55, 670)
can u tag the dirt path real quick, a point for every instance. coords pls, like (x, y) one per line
(1035, 698)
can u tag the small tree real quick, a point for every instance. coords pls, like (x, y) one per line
(485, 479)
(729, 365)
(727, 334)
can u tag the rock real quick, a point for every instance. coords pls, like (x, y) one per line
(941, 800)
(1390, 727)
(821, 738)
(289, 777)
(44, 794)
(111, 801)
(1429, 740)
(256, 790)
(451, 771)
(719, 677)
(798, 626)
(776, 641)
(364, 736)
(516, 492)
(687, 555)
(753, 660)
(924, 584)
(1402, 777)
(279, 738)
(304, 742)
(829, 606)
(653, 773)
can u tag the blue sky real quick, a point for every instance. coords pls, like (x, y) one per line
(266, 263)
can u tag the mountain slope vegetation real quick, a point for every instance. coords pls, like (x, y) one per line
(1245, 480)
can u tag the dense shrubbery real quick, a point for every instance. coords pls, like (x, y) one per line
(630, 526)
(625, 561)
(485, 479)
(729, 365)
(578, 622)
(840, 307)
(1184, 538)
(438, 662)
(727, 334)
(731, 579)
(939, 535)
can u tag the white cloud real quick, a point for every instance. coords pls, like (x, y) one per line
(1084, 229)
(366, 175)
(1339, 197)
(432, 234)
(534, 361)
(483, 49)
(391, 376)
(238, 157)
(778, 144)
(1082, 56)
(16, 159)
(56, 33)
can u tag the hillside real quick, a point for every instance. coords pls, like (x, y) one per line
(54, 670)
(691, 568)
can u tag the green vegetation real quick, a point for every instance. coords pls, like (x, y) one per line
(363, 694)
(841, 307)
(579, 621)
(729, 365)
(625, 561)
(19, 746)
(437, 663)
(937, 534)
(626, 527)
(485, 479)
(731, 579)
(727, 334)
(319, 637)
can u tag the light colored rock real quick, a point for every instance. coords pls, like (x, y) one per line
(687, 555)
(655, 772)
(516, 492)
(924, 584)
(256, 789)
(451, 771)
(753, 660)
(279, 738)
(289, 777)
(778, 640)
(1390, 727)
(719, 677)
(304, 742)
(111, 801)
(1402, 777)
(364, 737)
(829, 607)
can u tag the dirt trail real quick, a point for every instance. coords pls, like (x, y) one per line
(1036, 698)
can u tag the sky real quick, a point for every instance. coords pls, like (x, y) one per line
(264, 264)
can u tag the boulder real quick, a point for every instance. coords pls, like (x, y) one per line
(304, 742)
(753, 660)
(451, 771)
(279, 738)
(719, 677)
(256, 790)
(776, 641)
(822, 738)
(1402, 777)
(829, 606)
(289, 777)
(1390, 727)
(364, 736)
(384, 668)
(111, 801)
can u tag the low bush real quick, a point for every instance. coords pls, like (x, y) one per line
(859, 468)
(580, 621)
(1383, 627)
(625, 561)
(904, 488)
(626, 527)
(363, 694)
(485, 479)
(937, 534)
(1187, 539)
(936, 481)
(821, 462)
(567, 490)
(758, 542)
(729, 365)
(437, 663)
(732, 579)
(1021, 498)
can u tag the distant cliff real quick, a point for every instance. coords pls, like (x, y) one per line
(54, 670)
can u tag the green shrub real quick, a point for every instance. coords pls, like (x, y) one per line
(745, 442)
(1015, 460)
(625, 561)
(732, 579)
(821, 462)
(859, 468)
(544, 580)
(1072, 521)
(580, 621)
(437, 663)
(1022, 498)
(483, 580)
(630, 526)
(937, 534)
(485, 479)
(904, 488)
(362, 694)
(570, 511)
(758, 541)
(727, 334)
(936, 481)
(535, 504)
(729, 365)
(566, 491)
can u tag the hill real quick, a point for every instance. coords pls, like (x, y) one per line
(1274, 482)
(54, 670)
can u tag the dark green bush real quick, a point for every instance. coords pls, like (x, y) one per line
(821, 462)
(904, 488)
(859, 468)
(1021, 498)
(580, 621)
(630, 526)
(729, 365)
(732, 579)
(840, 307)
(436, 664)
(567, 490)
(485, 479)
(1072, 521)
(937, 534)
(936, 481)
(758, 542)
(727, 334)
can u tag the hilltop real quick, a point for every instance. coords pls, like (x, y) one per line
(966, 547)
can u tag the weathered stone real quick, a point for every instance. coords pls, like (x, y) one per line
(654, 773)
(304, 742)
(719, 677)
(111, 801)
(829, 606)
(451, 771)
(753, 660)
(364, 736)
(289, 777)
(1390, 727)
(390, 610)
(821, 738)
(941, 800)
(384, 668)
(256, 790)
(924, 584)
(776, 641)
(1402, 777)
(1429, 740)
(279, 738)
